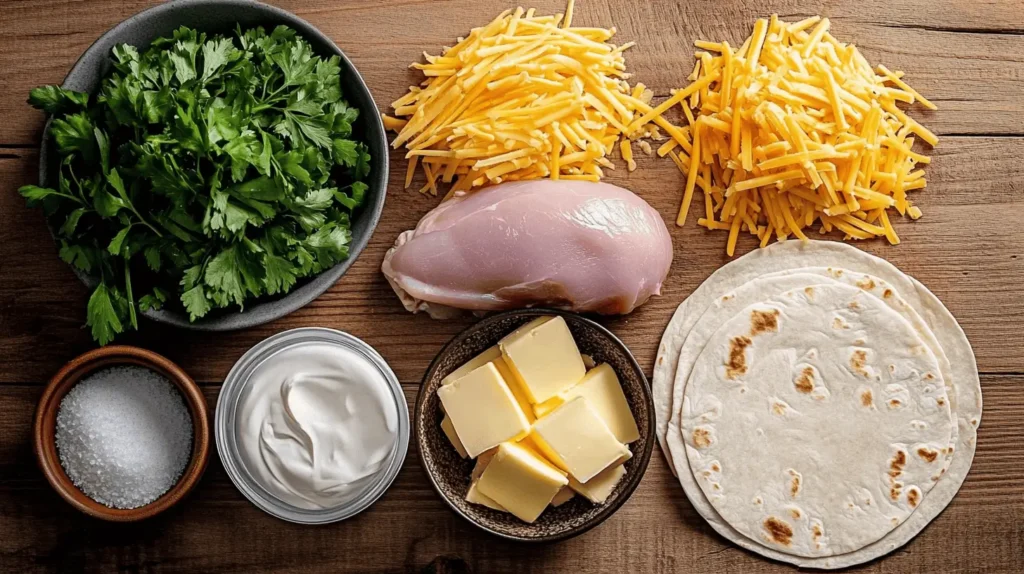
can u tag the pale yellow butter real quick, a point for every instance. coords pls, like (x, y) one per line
(604, 393)
(453, 437)
(576, 440)
(520, 482)
(473, 364)
(493, 355)
(543, 356)
(564, 495)
(599, 488)
(483, 410)
(474, 495)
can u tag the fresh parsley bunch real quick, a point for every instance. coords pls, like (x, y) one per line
(206, 172)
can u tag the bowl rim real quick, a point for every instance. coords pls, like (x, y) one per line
(44, 429)
(314, 286)
(642, 461)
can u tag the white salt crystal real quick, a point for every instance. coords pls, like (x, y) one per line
(124, 436)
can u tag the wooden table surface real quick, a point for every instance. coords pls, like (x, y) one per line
(965, 55)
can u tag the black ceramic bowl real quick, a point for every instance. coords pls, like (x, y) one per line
(223, 16)
(449, 473)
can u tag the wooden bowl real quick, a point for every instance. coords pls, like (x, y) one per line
(46, 425)
(450, 474)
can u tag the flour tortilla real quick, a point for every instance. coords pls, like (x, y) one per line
(725, 306)
(791, 255)
(814, 420)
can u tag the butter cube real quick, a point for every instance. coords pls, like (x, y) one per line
(520, 482)
(603, 391)
(576, 440)
(543, 356)
(473, 364)
(474, 495)
(599, 488)
(483, 410)
(564, 495)
(493, 355)
(453, 437)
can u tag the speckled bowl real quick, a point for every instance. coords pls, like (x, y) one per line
(223, 16)
(449, 473)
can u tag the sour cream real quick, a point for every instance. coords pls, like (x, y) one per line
(316, 425)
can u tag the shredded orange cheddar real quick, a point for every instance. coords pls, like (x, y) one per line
(526, 97)
(797, 128)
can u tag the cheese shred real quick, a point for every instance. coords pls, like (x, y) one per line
(797, 128)
(526, 97)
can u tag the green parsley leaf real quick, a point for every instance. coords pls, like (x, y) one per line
(102, 317)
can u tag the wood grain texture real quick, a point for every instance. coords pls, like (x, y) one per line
(968, 57)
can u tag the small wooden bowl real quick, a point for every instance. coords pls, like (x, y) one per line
(449, 474)
(46, 426)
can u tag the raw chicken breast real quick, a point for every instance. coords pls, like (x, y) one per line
(588, 247)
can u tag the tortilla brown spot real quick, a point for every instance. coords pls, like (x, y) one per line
(866, 283)
(794, 483)
(940, 401)
(715, 467)
(778, 530)
(809, 290)
(854, 305)
(858, 360)
(737, 364)
(838, 323)
(887, 293)
(894, 403)
(795, 513)
(764, 322)
(927, 454)
(929, 377)
(913, 496)
(805, 382)
(865, 398)
(701, 437)
(661, 360)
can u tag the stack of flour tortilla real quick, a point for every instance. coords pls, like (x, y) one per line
(818, 405)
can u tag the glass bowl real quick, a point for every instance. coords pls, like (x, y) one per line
(235, 386)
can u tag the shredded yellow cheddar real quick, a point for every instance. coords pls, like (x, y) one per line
(525, 97)
(795, 128)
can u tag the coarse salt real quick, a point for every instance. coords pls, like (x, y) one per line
(124, 436)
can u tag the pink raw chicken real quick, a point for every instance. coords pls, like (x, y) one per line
(588, 247)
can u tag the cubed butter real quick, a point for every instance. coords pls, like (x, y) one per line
(474, 495)
(543, 356)
(563, 496)
(520, 482)
(453, 437)
(483, 410)
(493, 355)
(473, 364)
(599, 488)
(603, 391)
(576, 440)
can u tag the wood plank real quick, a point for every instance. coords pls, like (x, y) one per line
(216, 529)
(964, 249)
(968, 60)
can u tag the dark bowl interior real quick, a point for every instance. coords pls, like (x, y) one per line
(449, 473)
(214, 16)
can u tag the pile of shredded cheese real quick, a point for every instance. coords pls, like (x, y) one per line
(795, 128)
(524, 97)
